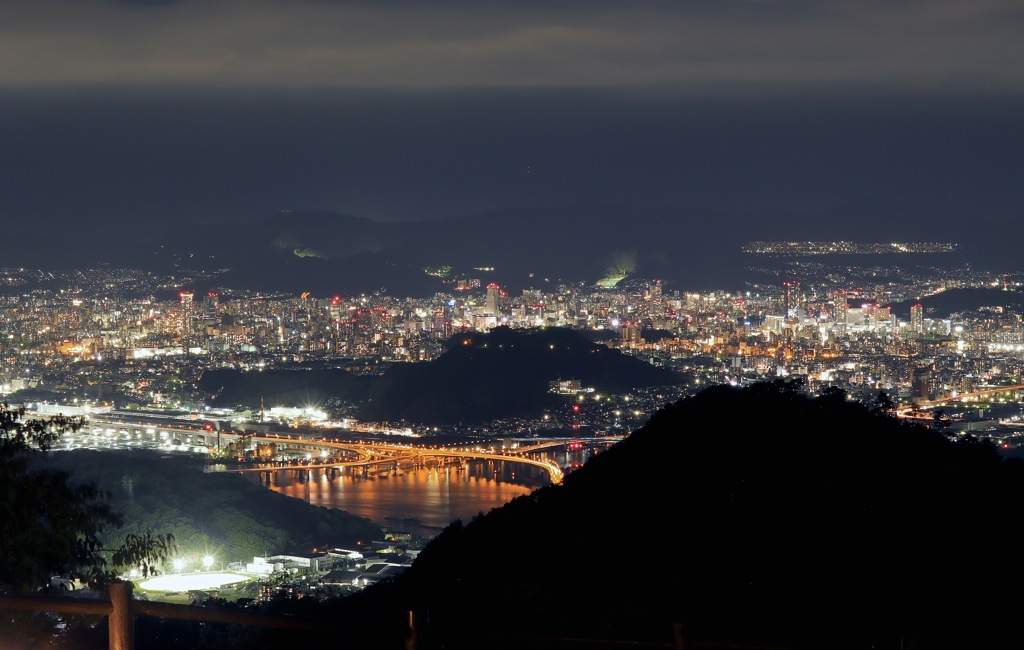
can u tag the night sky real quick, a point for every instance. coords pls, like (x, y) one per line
(165, 114)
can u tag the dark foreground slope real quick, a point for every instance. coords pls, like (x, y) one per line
(752, 515)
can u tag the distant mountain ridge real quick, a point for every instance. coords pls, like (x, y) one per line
(329, 253)
(941, 305)
(517, 249)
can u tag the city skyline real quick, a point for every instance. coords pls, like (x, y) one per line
(167, 115)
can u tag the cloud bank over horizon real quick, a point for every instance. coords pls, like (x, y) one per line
(156, 113)
(573, 43)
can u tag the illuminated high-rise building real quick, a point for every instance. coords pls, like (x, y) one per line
(921, 384)
(211, 303)
(492, 303)
(187, 312)
(791, 297)
(916, 318)
(840, 308)
(654, 298)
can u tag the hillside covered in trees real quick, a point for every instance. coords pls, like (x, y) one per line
(480, 377)
(220, 514)
(752, 515)
(504, 373)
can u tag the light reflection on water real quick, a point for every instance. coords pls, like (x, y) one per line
(434, 496)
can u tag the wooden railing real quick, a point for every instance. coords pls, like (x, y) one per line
(122, 609)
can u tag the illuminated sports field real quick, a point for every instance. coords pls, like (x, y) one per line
(187, 581)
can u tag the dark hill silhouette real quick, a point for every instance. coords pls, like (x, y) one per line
(281, 386)
(691, 248)
(503, 373)
(752, 515)
(331, 254)
(480, 377)
(941, 305)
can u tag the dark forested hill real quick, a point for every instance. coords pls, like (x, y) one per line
(753, 515)
(218, 513)
(480, 377)
(941, 305)
(502, 373)
(281, 386)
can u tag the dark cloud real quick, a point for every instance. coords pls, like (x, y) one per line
(123, 112)
(406, 44)
(134, 159)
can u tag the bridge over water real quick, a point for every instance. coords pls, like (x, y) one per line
(392, 456)
(305, 453)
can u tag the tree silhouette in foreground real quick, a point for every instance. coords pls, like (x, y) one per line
(51, 531)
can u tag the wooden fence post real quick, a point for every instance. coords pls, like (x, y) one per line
(415, 639)
(679, 632)
(121, 624)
